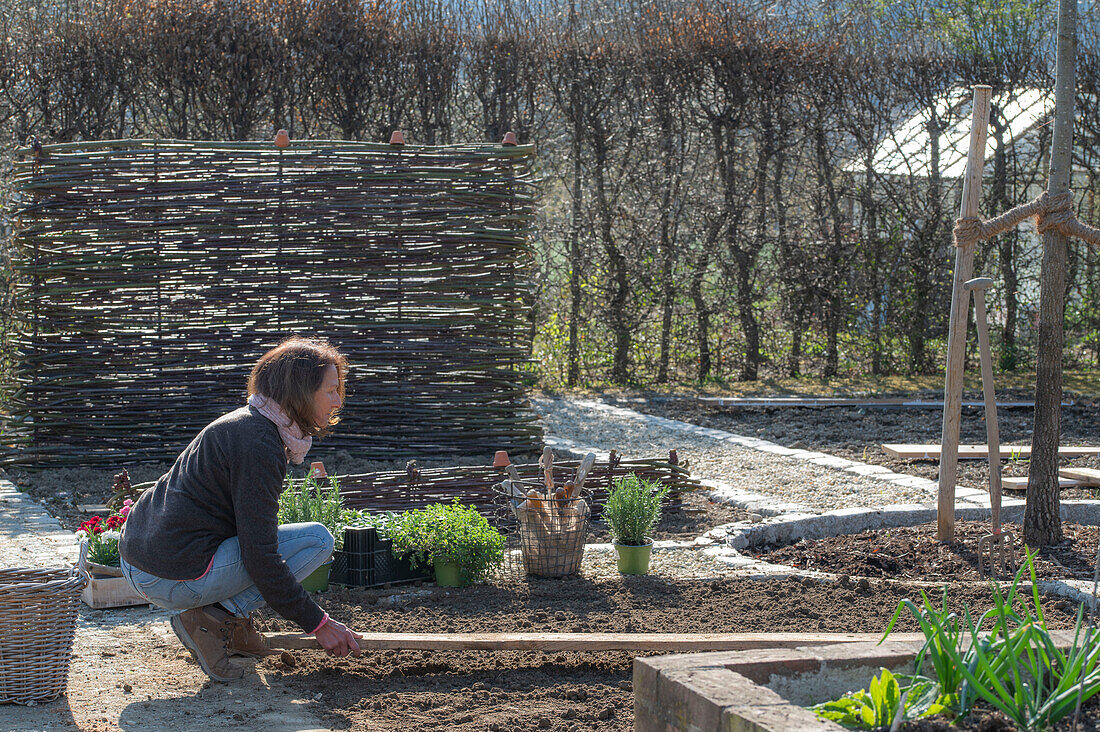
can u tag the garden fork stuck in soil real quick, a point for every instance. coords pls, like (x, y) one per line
(996, 551)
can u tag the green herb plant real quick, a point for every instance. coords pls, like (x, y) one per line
(1007, 658)
(934, 651)
(447, 533)
(632, 509)
(362, 519)
(878, 706)
(305, 500)
(1018, 668)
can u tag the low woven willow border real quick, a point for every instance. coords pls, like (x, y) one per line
(401, 490)
(152, 273)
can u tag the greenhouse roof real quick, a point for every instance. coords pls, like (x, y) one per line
(905, 151)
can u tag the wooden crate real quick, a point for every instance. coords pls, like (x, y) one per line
(103, 592)
(106, 585)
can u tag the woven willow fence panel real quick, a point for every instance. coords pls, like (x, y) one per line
(153, 273)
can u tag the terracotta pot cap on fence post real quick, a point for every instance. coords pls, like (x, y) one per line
(501, 460)
(397, 138)
(282, 138)
(509, 139)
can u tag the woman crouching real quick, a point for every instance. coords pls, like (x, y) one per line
(205, 539)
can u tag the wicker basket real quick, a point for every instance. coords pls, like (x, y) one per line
(549, 541)
(38, 610)
(553, 542)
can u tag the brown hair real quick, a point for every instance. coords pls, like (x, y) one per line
(292, 371)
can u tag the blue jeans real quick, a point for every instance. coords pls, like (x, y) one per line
(304, 548)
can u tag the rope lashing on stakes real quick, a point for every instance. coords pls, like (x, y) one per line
(1049, 212)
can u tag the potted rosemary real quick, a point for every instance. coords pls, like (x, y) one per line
(308, 500)
(456, 540)
(632, 509)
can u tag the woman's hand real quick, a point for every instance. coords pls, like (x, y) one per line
(337, 639)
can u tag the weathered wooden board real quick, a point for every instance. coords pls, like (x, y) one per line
(1067, 478)
(795, 401)
(1086, 476)
(666, 642)
(1020, 483)
(977, 452)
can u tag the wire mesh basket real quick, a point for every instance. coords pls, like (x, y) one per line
(38, 611)
(545, 536)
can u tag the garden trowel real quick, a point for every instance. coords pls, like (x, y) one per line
(996, 551)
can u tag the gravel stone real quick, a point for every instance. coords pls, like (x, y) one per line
(818, 487)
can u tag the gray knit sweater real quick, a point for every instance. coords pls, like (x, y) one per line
(225, 483)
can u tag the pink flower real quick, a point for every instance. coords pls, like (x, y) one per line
(93, 526)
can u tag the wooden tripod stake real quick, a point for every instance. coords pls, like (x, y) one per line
(996, 550)
(960, 306)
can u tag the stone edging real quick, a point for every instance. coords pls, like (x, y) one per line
(729, 690)
(789, 522)
(761, 689)
(876, 472)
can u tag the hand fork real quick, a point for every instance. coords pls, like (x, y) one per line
(996, 551)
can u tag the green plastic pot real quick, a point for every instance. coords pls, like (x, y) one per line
(447, 574)
(634, 559)
(317, 581)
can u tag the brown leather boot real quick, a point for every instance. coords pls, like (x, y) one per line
(245, 640)
(205, 632)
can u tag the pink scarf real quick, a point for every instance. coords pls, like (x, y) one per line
(296, 442)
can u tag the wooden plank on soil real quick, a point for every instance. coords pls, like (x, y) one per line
(978, 452)
(1020, 483)
(666, 642)
(93, 508)
(884, 403)
(1087, 476)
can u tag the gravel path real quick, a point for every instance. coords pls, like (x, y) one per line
(787, 478)
(128, 670)
(858, 433)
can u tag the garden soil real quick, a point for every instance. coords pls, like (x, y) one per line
(983, 718)
(416, 690)
(130, 673)
(913, 552)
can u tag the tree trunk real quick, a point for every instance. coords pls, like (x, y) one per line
(831, 232)
(1042, 520)
(750, 368)
(702, 318)
(668, 287)
(746, 259)
(616, 306)
(794, 358)
(1006, 243)
(574, 372)
(794, 308)
(928, 237)
(873, 239)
